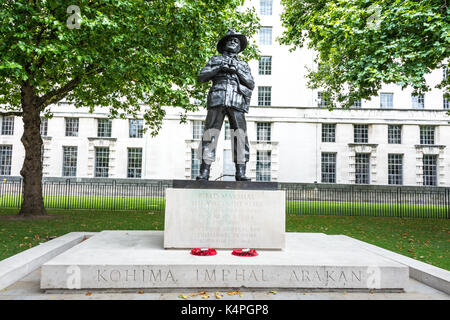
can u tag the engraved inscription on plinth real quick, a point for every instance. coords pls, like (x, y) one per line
(224, 218)
(177, 276)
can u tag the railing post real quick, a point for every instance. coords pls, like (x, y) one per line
(399, 207)
(19, 199)
(447, 203)
(114, 194)
(67, 194)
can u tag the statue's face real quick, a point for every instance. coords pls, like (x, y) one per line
(233, 45)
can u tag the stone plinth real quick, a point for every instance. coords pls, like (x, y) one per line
(224, 218)
(136, 259)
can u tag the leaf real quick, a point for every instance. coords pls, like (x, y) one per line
(89, 293)
(182, 296)
(197, 293)
(231, 293)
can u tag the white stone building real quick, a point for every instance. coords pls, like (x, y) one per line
(392, 139)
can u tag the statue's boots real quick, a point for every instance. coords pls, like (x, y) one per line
(204, 171)
(240, 173)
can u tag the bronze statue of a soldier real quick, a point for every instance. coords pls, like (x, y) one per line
(229, 96)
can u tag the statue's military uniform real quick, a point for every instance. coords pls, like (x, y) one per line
(228, 90)
(228, 96)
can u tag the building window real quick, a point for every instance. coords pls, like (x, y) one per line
(356, 104)
(101, 162)
(135, 128)
(227, 134)
(386, 100)
(265, 66)
(263, 131)
(418, 101)
(44, 127)
(429, 170)
(264, 96)
(362, 168)
(8, 126)
(328, 132)
(265, 36)
(263, 165)
(195, 164)
(394, 134)
(361, 133)
(328, 167)
(395, 169)
(445, 102)
(427, 134)
(5, 160)
(322, 100)
(134, 163)
(197, 129)
(70, 161)
(72, 127)
(445, 72)
(104, 127)
(265, 7)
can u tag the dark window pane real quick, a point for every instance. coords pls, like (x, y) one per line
(362, 168)
(328, 167)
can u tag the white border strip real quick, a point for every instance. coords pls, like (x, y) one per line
(432, 276)
(18, 266)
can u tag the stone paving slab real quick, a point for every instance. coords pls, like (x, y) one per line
(21, 264)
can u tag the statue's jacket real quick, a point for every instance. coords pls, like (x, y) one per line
(228, 90)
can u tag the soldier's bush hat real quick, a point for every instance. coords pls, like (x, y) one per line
(232, 34)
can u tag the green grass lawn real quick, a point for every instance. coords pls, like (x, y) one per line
(90, 202)
(426, 240)
(366, 209)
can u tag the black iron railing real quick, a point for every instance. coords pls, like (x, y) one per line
(301, 198)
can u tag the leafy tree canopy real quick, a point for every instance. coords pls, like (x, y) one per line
(362, 44)
(124, 53)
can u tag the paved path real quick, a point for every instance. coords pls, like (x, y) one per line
(28, 289)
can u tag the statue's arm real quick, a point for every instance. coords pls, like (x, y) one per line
(245, 75)
(210, 69)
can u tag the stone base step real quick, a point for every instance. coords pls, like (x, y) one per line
(137, 259)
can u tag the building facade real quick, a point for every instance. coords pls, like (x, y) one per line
(394, 138)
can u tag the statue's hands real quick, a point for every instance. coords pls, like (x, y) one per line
(232, 69)
(228, 66)
(224, 67)
(229, 69)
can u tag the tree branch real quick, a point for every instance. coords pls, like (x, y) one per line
(57, 94)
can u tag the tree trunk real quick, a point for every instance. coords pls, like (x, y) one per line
(33, 203)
